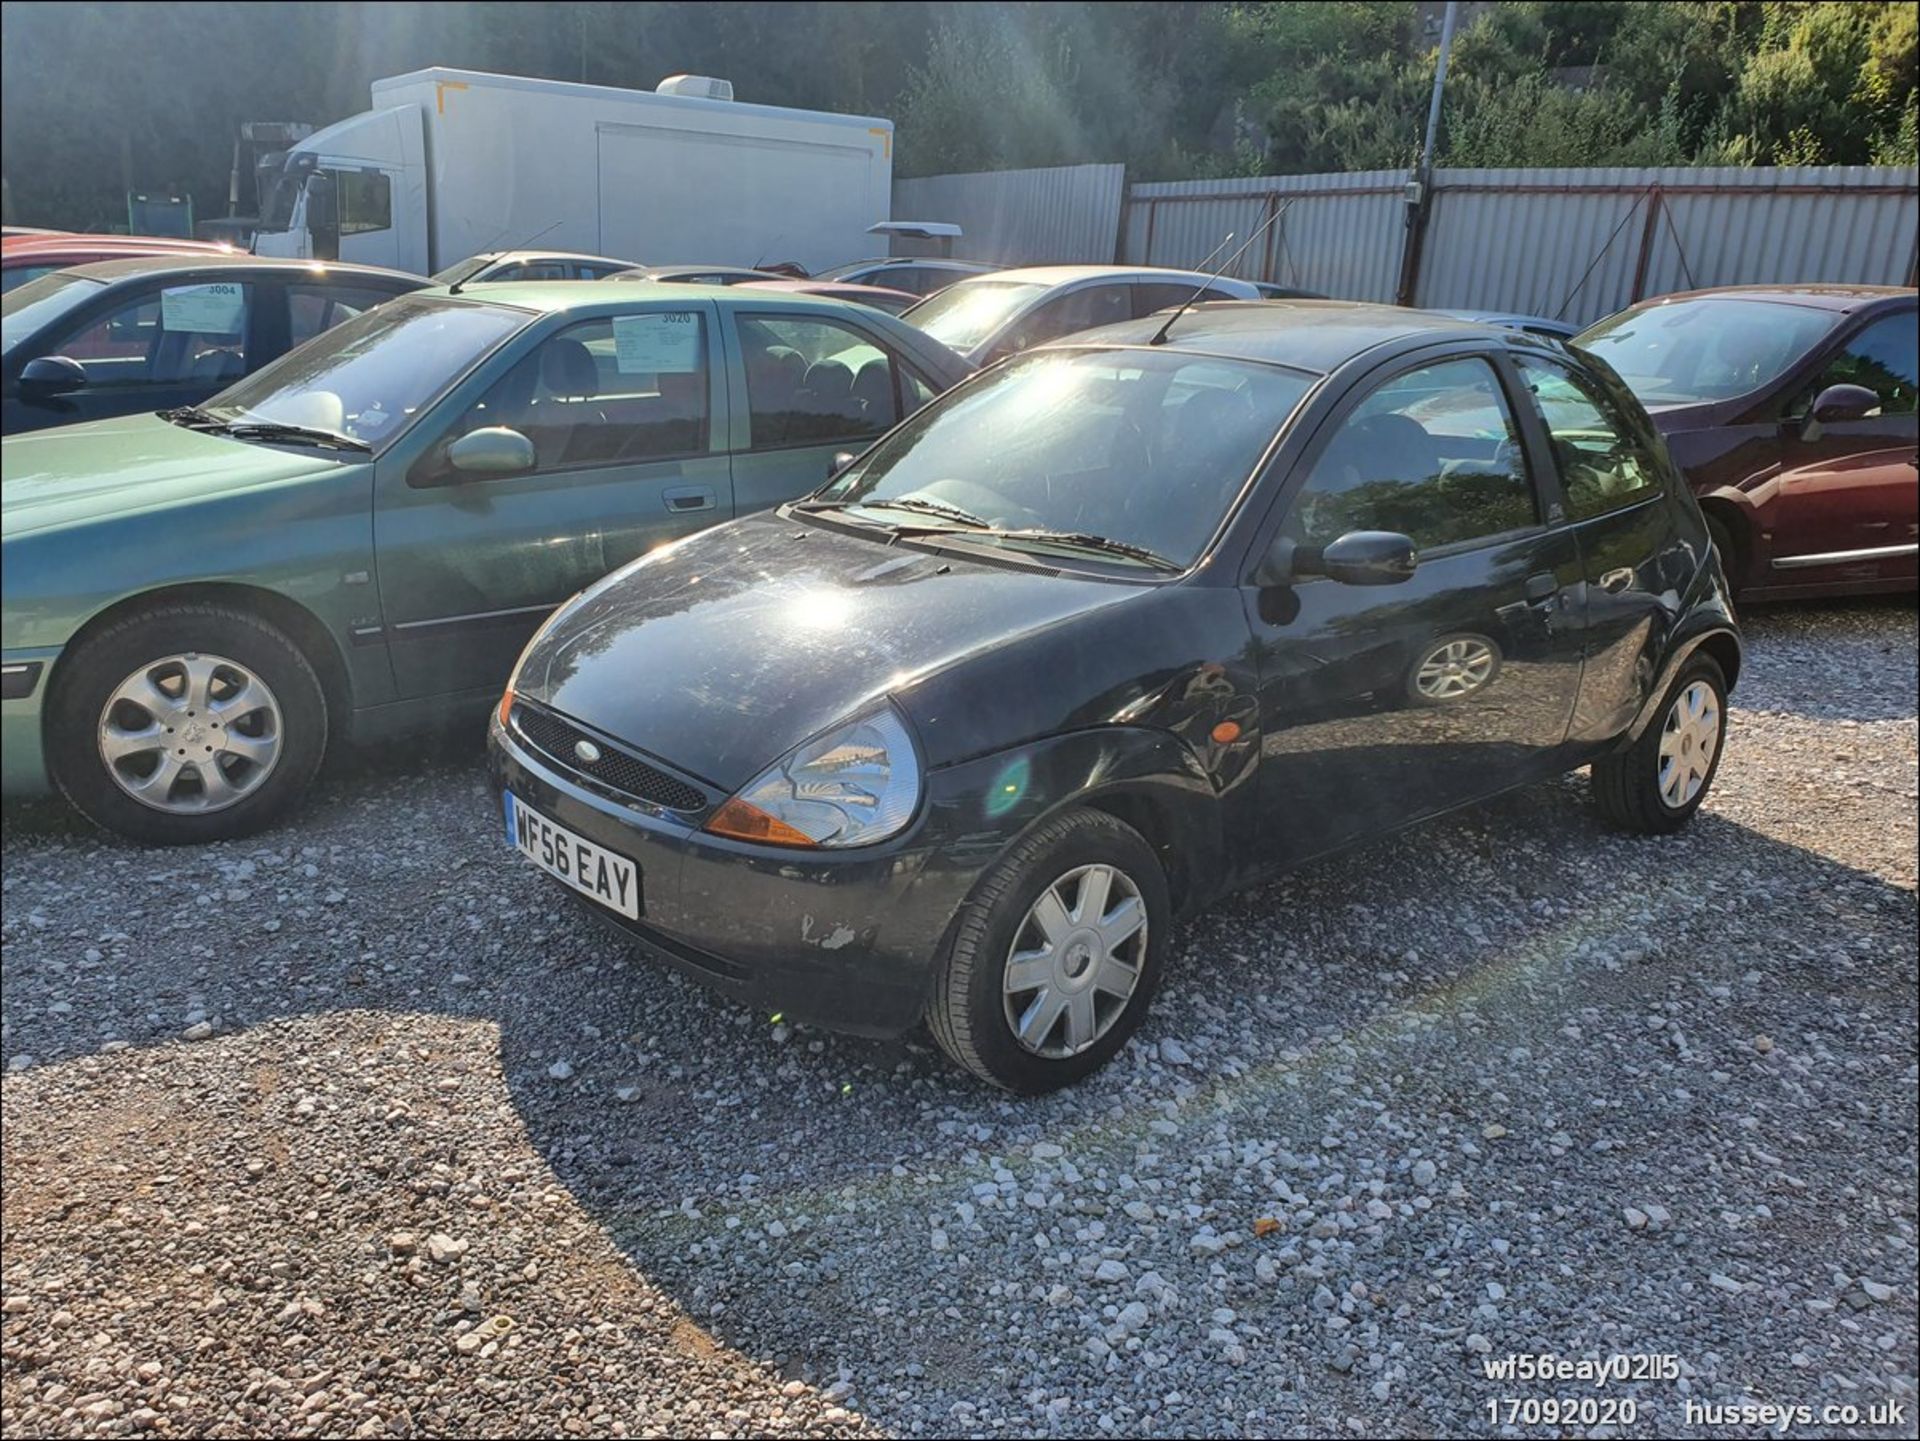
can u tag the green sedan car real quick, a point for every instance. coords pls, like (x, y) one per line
(359, 539)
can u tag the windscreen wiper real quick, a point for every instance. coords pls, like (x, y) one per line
(912, 502)
(273, 430)
(1083, 540)
(194, 417)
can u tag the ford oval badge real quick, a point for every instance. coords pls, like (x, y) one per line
(587, 751)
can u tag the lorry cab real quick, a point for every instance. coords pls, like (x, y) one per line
(356, 192)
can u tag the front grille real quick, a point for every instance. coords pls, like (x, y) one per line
(615, 770)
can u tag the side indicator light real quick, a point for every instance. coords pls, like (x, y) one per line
(506, 704)
(1226, 733)
(749, 823)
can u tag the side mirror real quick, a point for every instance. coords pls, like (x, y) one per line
(46, 376)
(1838, 402)
(841, 460)
(491, 450)
(1361, 557)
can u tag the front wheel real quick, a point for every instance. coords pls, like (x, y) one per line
(1656, 784)
(189, 723)
(1055, 956)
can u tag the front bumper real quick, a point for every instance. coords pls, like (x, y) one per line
(847, 939)
(23, 766)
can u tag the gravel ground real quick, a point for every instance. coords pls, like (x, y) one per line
(289, 1121)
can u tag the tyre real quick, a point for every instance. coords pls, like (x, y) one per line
(190, 722)
(1657, 783)
(1453, 668)
(1055, 956)
(1723, 543)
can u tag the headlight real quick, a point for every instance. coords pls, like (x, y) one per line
(855, 785)
(513, 676)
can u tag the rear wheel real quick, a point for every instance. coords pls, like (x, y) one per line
(1055, 956)
(191, 722)
(1729, 549)
(1657, 783)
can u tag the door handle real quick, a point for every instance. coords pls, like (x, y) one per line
(1542, 586)
(682, 498)
(1615, 581)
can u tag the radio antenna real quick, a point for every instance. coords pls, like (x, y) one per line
(454, 289)
(1160, 335)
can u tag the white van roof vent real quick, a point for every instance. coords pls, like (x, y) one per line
(704, 87)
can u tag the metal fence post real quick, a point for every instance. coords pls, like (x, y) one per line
(1647, 236)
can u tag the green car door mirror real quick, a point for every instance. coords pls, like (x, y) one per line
(491, 450)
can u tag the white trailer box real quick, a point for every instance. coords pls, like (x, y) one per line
(450, 163)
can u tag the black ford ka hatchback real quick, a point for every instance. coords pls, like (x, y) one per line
(1111, 629)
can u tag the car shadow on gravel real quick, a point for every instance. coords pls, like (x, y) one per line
(823, 1203)
(800, 1193)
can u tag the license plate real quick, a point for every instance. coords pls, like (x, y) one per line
(592, 870)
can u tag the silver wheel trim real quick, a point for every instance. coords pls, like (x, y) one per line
(1458, 668)
(1688, 741)
(190, 733)
(1075, 960)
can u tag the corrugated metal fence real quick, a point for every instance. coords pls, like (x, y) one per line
(1575, 243)
(1584, 243)
(1340, 234)
(1065, 213)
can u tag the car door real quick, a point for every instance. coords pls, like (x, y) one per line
(1621, 498)
(1381, 704)
(152, 347)
(811, 384)
(1849, 490)
(627, 418)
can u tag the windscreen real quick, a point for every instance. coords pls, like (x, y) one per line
(27, 309)
(1149, 448)
(963, 315)
(1714, 348)
(368, 377)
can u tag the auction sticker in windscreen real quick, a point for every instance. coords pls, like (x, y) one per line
(664, 343)
(216, 309)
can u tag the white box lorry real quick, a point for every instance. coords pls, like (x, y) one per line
(451, 163)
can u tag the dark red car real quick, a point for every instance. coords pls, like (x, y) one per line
(30, 256)
(1791, 410)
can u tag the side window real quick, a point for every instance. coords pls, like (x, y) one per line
(365, 200)
(1882, 358)
(916, 390)
(312, 309)
(599, 272)
(1077, 310)
(620, 391)
(182, 335)
(1604, 460)
(546, 270)
(1158, 295)
(1432, 453)
(811, 381)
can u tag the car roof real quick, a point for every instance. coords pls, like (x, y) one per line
(938, 262)
(1817, 297)
(817, 287)
(238, 263)
(41, 246)
(495, 257)
(1314, 335)
(696, 266)
(1067, 274)
(562, 295)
